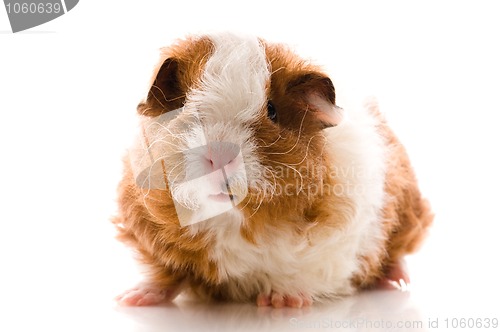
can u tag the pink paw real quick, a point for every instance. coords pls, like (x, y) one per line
(397, 277)
(146, 295)
(278, 300)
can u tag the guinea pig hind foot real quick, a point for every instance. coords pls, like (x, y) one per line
(278, 300)
(146, 294)
(396, 277)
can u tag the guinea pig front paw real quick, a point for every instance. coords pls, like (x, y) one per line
(147, 295)
(278, 300)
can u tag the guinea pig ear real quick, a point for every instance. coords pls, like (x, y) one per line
(319, 95)
(166, 93)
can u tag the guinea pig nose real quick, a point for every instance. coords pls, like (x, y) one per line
(222, 155)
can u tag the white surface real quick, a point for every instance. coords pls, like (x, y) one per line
(68, 91)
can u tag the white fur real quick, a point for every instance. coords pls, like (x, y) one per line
(234, 80)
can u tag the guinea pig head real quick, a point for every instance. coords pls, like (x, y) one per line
(233, 122)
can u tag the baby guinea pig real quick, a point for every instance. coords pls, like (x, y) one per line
(248, 183)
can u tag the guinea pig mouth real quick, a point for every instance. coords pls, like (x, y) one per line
(222, 197)
(225, 195)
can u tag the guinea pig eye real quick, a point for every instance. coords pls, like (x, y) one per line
(271, 112)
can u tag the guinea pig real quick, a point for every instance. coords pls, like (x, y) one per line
(247, 182)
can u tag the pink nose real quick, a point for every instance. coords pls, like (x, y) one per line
(223, 155)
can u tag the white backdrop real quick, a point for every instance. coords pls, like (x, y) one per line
(68, 91)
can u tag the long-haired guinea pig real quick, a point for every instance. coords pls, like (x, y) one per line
(247, 182)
